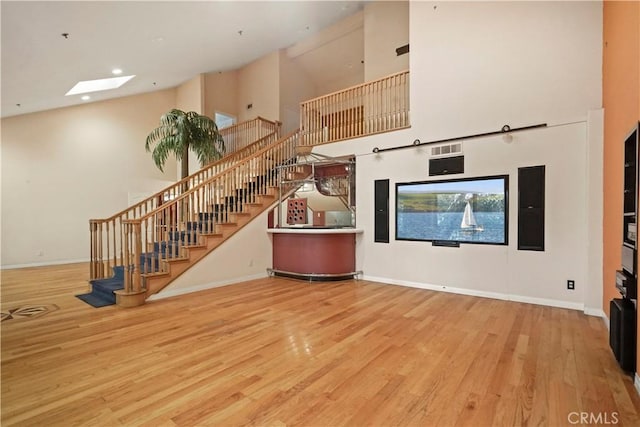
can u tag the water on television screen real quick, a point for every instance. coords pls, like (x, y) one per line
(463, 211)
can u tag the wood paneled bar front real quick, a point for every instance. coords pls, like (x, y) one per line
(314, 253)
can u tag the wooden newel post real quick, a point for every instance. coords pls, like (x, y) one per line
(132, 295)
(126, 225)
(92, 237)
(137, 236)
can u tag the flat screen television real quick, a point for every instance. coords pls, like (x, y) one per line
(465, 210)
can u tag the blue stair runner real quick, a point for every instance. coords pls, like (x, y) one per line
(102, 290)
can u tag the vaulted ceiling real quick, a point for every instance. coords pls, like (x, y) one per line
(162, 43)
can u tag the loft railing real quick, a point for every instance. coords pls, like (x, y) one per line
(106, 234)
(238, 136)
(166, 233)
(366, 109)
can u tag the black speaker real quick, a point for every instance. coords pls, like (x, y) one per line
(446, 165)
(531, 208)
(381, 211)
(622, 332)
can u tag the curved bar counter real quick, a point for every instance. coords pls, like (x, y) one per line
(314, 253)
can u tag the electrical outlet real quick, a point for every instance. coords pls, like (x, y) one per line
(571, 284)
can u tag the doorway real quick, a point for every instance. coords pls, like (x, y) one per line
(224, 120)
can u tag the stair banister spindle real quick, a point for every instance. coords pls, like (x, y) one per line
(127, 258)
(108, 247)
(137, 235)
(92, 249)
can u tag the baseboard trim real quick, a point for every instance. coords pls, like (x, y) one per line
(482, 294)
(636, 383)
(43, 264)
(182, 291)
(598, 313)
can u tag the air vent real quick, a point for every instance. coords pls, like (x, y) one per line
(446, 150)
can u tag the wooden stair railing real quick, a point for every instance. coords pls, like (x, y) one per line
(106, 235)
(238, 136)
(373, 107)
(166, 241)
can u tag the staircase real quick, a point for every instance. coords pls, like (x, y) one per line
(157, 246)
(139, 251)
(241, 140)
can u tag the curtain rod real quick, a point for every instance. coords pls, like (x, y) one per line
(505, 129)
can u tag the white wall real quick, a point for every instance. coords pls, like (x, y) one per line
(514, 63)
(496, 271)
(386, 28)
(333, 56)
(62, 167)
(259, 85)
(485, 64)
(221, 93)
(295, 86)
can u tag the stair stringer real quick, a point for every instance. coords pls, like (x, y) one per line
(155, 282)
(245, 256)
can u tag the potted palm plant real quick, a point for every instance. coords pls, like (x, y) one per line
(180, 132)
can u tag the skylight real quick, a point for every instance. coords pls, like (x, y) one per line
(98, 85)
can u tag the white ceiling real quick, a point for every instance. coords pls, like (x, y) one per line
(163, 43)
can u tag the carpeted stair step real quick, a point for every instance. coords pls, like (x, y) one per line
(102, 290)
(179, 238)
(106, 291)
(200, 227)
(150, 261)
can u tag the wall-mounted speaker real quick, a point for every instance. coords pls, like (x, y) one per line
(381, 211)
(531, 189)
(446, 165)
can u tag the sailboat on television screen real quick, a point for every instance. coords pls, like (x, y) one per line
(469, 222)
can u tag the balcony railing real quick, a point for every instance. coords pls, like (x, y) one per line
(366, 109)
(238, 136)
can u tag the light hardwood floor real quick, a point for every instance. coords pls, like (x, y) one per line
(283, 352)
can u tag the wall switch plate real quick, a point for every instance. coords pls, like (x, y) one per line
(571, 284)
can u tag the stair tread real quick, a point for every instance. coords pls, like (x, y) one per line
(172, 260)
(155, 274)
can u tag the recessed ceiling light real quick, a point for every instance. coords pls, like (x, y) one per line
(85, 97)
(98, 85)
(116, 71)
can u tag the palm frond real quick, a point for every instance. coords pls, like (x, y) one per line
(179, 131)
